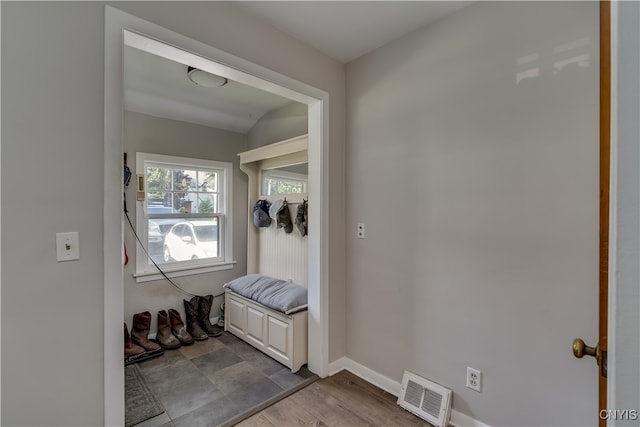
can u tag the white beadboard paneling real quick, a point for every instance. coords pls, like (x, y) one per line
(283, 255)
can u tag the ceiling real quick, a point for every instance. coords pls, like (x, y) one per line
(160, 87)
(343, 30)
(346, 30)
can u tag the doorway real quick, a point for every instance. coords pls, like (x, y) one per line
(122, 30)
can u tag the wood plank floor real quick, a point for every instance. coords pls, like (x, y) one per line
(340, 400)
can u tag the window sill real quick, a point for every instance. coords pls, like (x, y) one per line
(183, 271)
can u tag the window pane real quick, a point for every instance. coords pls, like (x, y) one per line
(208, 203)
(158, 178)
(183, 180)
(160, 202)
(207, 181)
(157, 232)
(289, 187)
(155, 241)
(206, 230)
(273, 186)
(187, 203)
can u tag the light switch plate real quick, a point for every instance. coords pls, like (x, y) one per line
(68, 246)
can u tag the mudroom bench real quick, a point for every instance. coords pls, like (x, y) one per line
(269, 314)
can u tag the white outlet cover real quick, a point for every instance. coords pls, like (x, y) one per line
(474, 379)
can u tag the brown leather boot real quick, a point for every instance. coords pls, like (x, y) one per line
(193, 327)
(204, 310)
(178, 329)
(132, 352)
(140, 333)
(164, 336)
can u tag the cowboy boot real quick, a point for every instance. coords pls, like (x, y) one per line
(191, 310)
(164, 336)
(204, 309)
(140, 333)
(177, 328)
(132, 352)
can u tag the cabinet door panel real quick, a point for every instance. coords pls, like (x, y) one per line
(255, 325)
(236, 316)
(278, 332)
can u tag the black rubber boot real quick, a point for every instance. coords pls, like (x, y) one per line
(204, 310)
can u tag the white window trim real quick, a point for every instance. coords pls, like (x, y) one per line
(146, 271)
(184, 271)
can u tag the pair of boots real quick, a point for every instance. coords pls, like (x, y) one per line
(137, 346)
(171, 331)
(198, 323)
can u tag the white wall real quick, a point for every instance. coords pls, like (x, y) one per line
(52, 165)
(148, 134)
(480, 199)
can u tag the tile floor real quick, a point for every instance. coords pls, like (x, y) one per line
(212, 381)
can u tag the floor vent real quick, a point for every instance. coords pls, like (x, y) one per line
(426, 399)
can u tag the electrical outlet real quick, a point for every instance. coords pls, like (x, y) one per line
(474, 379)
(360, 230)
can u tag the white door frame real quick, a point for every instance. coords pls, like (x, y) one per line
(123, 29)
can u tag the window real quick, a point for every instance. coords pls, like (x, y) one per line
(183, 214)
(282, 182)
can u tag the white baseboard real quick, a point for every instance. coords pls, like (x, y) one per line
(458, 419)
(379, 380)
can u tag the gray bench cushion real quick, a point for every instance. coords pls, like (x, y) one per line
(281, 295)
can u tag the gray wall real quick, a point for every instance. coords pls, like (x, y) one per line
(479, 191)
(284, 123)
(439, 301)
(148, 134)
(52, 138)
(52, 168)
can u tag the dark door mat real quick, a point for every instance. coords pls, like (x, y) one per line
(140, 403)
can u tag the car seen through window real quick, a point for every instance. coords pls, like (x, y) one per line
(190, 240)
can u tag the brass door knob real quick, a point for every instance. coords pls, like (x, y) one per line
(580, 349)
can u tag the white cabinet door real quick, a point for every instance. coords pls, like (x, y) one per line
(278, 337)
(236, 316)
(255, 326)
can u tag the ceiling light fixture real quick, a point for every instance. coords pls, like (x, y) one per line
(205, 79)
